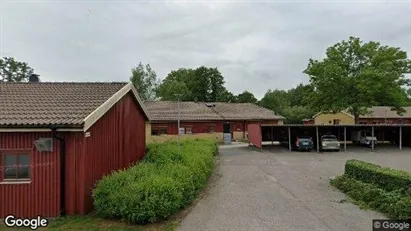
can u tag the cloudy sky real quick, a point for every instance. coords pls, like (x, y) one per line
(257, 45)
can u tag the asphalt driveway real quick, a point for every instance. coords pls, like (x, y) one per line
(279, 190)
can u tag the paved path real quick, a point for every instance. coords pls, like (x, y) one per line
(282, 191)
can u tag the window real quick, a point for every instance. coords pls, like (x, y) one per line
(188, 130)
(16, 166)
(211, 129)
(158, 131)
(336, 121)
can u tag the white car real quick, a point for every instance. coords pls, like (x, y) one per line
(363, 138)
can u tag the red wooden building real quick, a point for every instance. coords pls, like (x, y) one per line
(200, 117)
(58, 139)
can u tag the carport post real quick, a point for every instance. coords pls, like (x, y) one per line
(272, 135)
(318, 142)
(372, 135)
(400, 137)
(345, 139)
(289, 138)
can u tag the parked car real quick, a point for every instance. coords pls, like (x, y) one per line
(329, 143)
(303, 143)
(363, 138)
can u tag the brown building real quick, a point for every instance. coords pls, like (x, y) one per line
(200, 117)
(58, 139)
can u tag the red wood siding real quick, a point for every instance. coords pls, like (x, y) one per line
(197, 127)
(116, 141)
(254, 135)
(41, 196)
(74, 172)
(201, 127)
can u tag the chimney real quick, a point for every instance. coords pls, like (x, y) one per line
(34, 78)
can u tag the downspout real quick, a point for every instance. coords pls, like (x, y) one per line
(62, 172)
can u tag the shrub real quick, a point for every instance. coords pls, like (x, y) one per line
(165, 181)
(386, 178)
(393, 203)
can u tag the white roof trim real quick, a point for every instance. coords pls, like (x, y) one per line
(103, 109)
(319, 113)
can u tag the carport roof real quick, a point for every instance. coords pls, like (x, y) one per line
(336, 125)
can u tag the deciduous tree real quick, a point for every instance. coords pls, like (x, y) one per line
(355, 75)
(145, 80)
(12, 70)
(246, 97)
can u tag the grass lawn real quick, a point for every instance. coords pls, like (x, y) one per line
(93, 223)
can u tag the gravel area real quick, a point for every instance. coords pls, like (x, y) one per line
(275, 189)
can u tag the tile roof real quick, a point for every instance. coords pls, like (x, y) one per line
(168, 111)
(244, 111)
(385, 112)
(31, 104)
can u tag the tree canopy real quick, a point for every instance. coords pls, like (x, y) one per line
(145, 80)
(246, 97)
(200, 84)
(293, 104)
(12, 70)
(355, 76)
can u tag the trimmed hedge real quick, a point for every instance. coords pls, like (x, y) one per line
(160, 185)
(386, 178)
(392, 203)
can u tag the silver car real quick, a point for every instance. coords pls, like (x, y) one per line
(330, 143)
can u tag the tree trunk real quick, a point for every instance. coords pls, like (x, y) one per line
(356, 118)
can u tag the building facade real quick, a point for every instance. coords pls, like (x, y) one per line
(93, 129)
(207, 118)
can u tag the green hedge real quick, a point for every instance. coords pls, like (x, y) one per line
(161, 184)
(386, 178)
(392, 203)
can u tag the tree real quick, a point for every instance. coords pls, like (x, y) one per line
(226, 96)
(203, 84)
(296, 114)
(246, 97)
(356, 75)
(12, 70)
(301, 95)
(174, 87)
(275, 100)
(145, 80)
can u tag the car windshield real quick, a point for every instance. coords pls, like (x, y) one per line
(329, 138)
(304, 138)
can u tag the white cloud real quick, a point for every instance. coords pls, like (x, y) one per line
(257, 46)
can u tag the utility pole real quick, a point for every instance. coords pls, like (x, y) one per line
(178, 121)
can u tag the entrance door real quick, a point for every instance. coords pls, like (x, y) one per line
(227, 128)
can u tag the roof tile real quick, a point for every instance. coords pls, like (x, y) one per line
(193, 111)
(54, 103)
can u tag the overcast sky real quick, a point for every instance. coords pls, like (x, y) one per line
(256, 45)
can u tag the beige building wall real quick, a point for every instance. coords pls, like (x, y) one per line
(148, 130)
(238, 135)
(329, 118)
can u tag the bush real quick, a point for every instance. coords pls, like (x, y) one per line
(393, 203)
(164, 182)
(386, 178)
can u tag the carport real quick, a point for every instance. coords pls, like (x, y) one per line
(394, 133)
